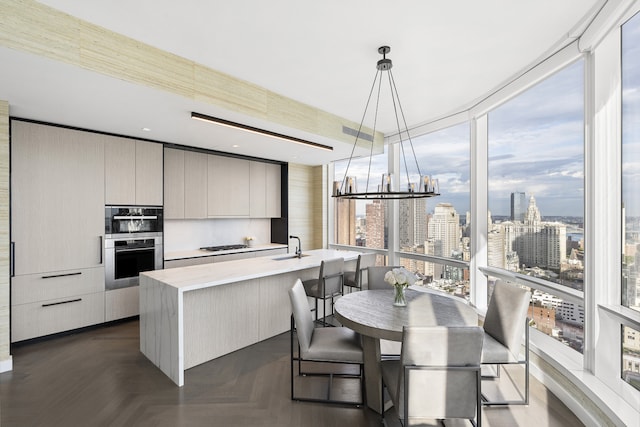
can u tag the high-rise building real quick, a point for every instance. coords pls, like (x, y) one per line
(375, 217)
(413, 222)
(444, 229)
(518, 206)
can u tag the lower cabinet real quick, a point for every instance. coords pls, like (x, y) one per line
(47, 303)
(56, 315)
(121, 303)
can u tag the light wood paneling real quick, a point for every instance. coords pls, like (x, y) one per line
(228, 187)
(305, 205)
(121, 303)
(37, 28)
(148, 173)
(195, 185)
(4, 232)
(120, 171)
(173, 183)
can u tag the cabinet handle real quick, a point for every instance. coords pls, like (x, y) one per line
(12, 255)
(100, 248)
(77, 273)
(62, 302)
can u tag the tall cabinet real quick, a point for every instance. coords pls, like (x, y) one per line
(57, 229)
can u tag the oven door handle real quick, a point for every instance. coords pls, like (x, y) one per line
(144, 248)
(119, 217)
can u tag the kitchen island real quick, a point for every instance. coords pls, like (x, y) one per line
(194, 314)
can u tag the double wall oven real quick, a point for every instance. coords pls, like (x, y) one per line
(133, 243)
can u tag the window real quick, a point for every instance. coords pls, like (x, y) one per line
(536, 196)
(439, 226)
(361, 222)
(631, 163)
(631, 356)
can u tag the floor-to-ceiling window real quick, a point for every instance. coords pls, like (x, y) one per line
(630, 198)
(536, 197)
(439, 226)
(361, 222)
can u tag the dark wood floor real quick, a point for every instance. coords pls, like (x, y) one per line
(100, 378)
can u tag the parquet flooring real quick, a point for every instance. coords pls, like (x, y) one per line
(99, 377)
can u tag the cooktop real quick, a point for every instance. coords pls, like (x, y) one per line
(223, 247)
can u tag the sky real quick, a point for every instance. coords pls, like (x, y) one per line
(536, 146)
(631, 115)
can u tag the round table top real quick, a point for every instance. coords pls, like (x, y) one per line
(372, 313)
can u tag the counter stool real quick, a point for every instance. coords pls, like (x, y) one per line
(326, 286)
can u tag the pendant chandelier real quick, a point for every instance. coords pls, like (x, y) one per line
(422, 187)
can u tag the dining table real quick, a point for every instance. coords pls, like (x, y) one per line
(372, 314)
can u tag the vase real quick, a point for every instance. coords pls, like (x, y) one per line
(399, 299)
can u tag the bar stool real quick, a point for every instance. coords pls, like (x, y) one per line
(353, 279)
(326, 286)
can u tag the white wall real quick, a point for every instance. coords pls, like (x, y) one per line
(190, 234)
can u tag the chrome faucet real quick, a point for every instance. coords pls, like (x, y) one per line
(299, 248)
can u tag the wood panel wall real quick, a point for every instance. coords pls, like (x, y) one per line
(306, 205)
(39, 29)
(4, 237)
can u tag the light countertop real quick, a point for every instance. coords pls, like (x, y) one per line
(214, 274)
(198, 253)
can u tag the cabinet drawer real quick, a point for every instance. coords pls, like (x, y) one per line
(56, 315)
(121, 303)
(185, 262)
(30, 288)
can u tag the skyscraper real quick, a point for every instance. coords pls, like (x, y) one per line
(444, 229)
(518, 206)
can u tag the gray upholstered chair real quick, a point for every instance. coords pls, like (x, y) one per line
(353, 279)
(327, 286)
(505, 325)
(375, 277)
(375, 281)
(325, 345)
(438, 374)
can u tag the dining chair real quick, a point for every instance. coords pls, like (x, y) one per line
(327, 286)
(375, 276)
(505, 325)
(322, 345)
(353, 279)
(437, 375)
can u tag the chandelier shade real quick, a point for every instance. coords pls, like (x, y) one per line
(416, 186)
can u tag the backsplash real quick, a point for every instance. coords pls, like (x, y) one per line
(189, 234)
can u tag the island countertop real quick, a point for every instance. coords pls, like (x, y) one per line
(206, 275)
(190, 315)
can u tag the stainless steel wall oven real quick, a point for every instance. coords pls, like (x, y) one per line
(133, 243)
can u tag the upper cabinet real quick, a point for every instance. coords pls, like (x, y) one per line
(228, 187)
(173, 183)
(133, 171)
(264, 190)
(200, 185)
(185, 184)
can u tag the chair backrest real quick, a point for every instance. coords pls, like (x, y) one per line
(301, 315)
(331, 274)
(365, 261)
(507, 314)
(435, 390)
(375, 276)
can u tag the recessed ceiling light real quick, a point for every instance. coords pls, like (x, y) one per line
(235, 146)
(146, 129)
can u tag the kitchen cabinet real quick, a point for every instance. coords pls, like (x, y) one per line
(133, 172)
(122, 303)
(173, 183)
(185, 184)
(228, 187)
(195, 184)
(264, 190)
(57, 198)
(57, 229)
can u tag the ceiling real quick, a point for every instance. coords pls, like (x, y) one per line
(447, 56)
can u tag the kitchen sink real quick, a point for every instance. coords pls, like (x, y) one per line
(290, 256)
